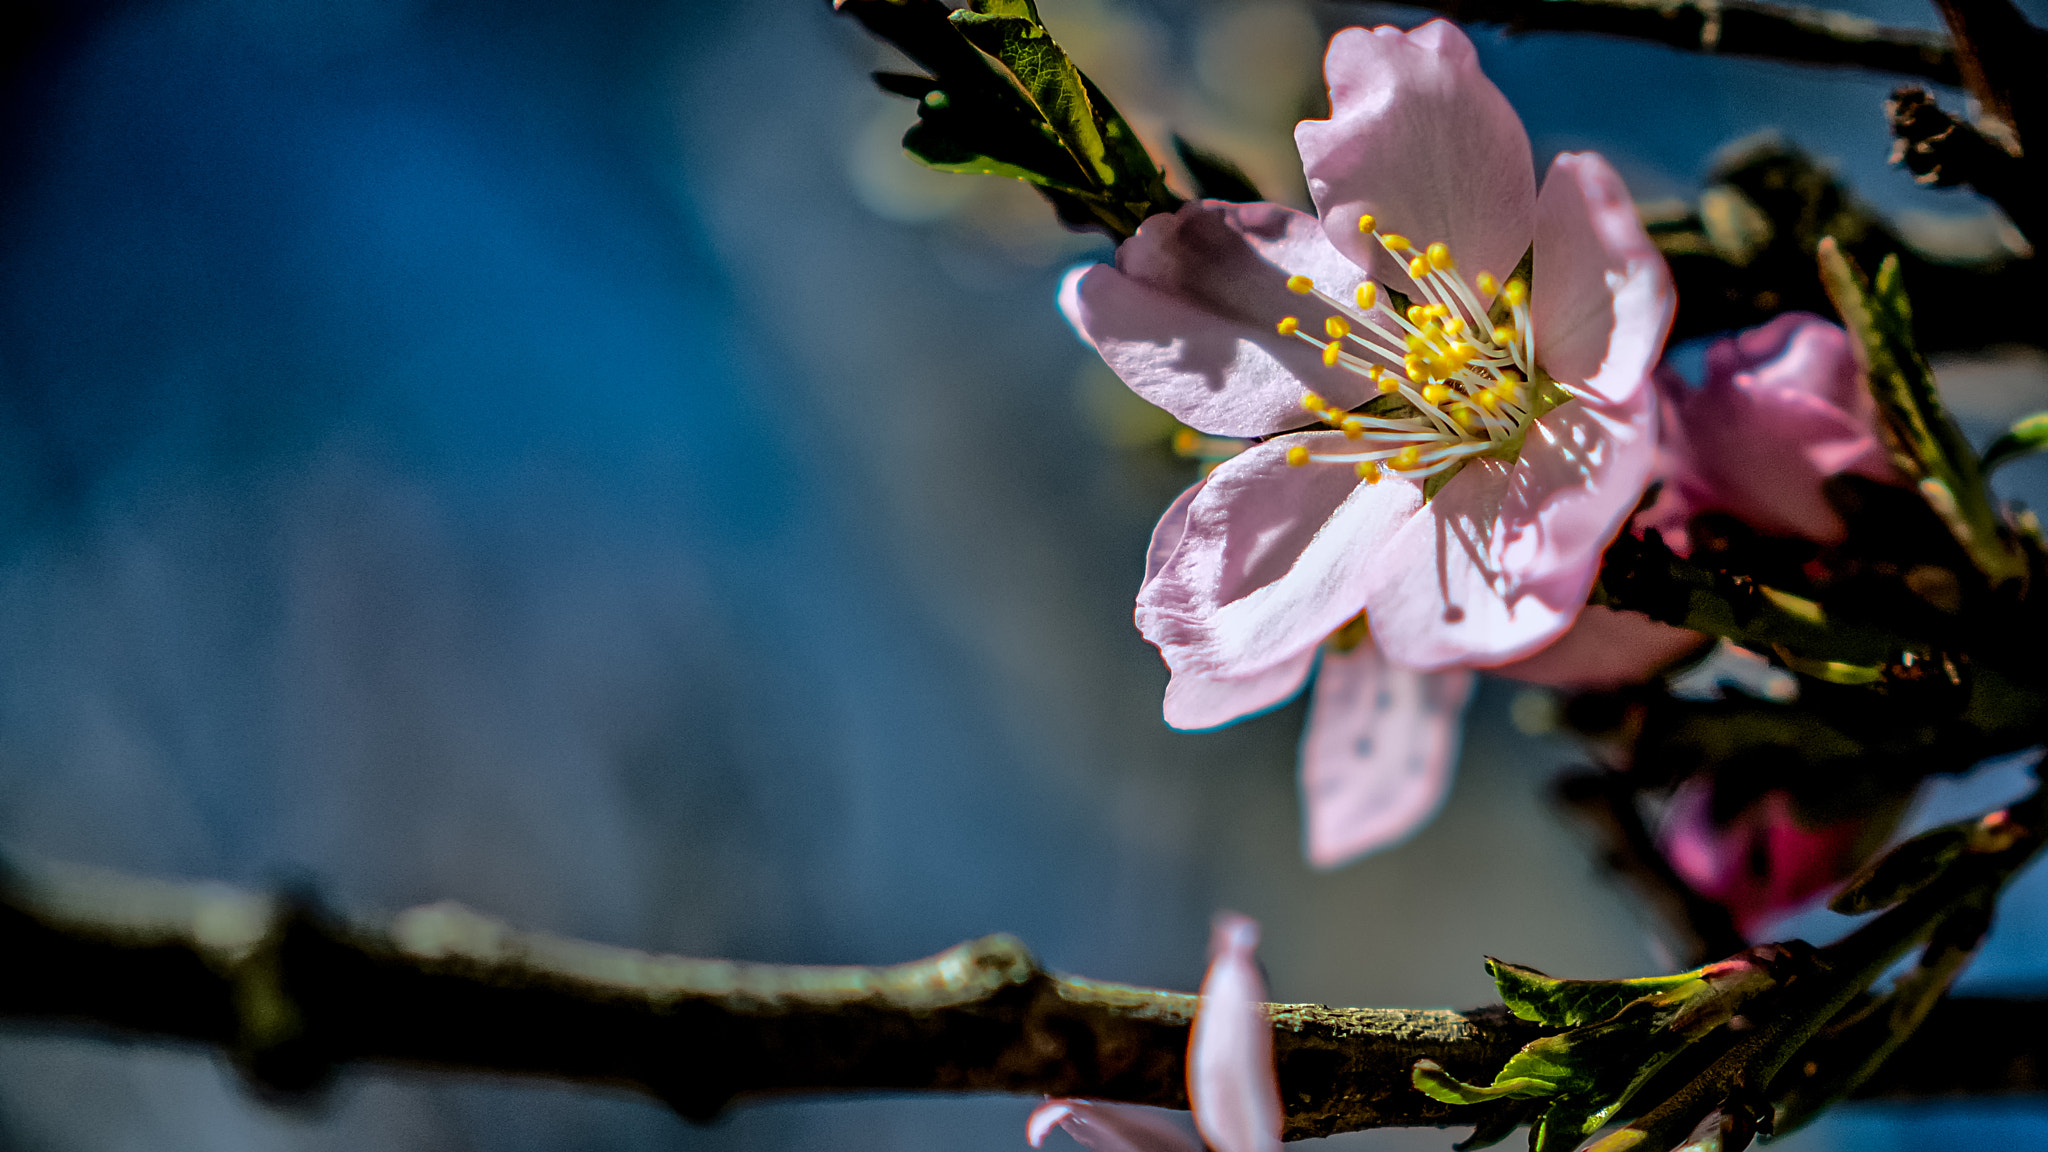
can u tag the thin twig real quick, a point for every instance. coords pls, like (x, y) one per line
(1793, 34)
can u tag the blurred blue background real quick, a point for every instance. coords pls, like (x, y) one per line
(563, 458)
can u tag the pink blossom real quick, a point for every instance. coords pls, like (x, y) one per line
(1232, 1084)
(1763, 863)
(1782, 410)
(1218, 312)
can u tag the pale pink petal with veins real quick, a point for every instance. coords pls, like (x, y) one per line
(1376, 758)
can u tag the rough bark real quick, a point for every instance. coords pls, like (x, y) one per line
(293, 995)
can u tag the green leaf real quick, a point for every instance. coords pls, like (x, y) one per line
(1902, 871)
(1003, 99)
(2029, 434)
(1049, 79)
(1216, 177)
(1431, 1080)
(1925, 442)
(1573, 1003)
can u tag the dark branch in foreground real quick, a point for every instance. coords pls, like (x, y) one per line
(293, 995)
(1792, 34)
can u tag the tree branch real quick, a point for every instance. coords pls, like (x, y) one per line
(1792, 34)
(293, 994)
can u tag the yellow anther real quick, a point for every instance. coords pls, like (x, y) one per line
(1437, 310)
(1330, 353)
(1487, 284)
(1416, 315)
(1366, 223)
(1465, 417)
(1440, 257)
(1416, 343)
(1509, 377)
(1185, 441)
(1389, 383)
(1415, 373)
(1289, 325)
(1465, 353)
(1314, 402)
(1408, 457)
(1394, 242)
(1353, 431)
(1436, 393)
(1368, 293)
(1300, 285)
(1368, 471)
(1504, 334)
(1337, 327)
(1516, 292)
(1297, 456)
(1418, 268)
(1454, 325)
(1487, 399)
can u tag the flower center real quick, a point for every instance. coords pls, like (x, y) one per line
(1462, 386)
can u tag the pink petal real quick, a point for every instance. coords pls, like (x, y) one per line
(1783, 409)
(1376, 757)
(1601, 298)
(1500, 563)
(1605, 649)
(1195, 702)
(1763, 863)
(1108, 1127)
(1166, 535)
(1420, 138)
(1232, 1082)
(1272, 559)
(1186, 315)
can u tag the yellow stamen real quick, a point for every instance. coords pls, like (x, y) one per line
(1487, 284)
(1314, 403)
(1487, 399)
(1300, 285)
(1297, 456)
(1505, 334)
(1395, 243)
(1418, 268)
(1184, 441)
(1289, 325)
(1407, 457)
(1366, 223)
(1353, 431)
(1436, 393)
(1516, 292)
(1454, 325)
(1368, 471)
(1337, 327)
(1330, 353)
(1416, 315)
(1465, 417)
(1440, 257)
(1368, 293)
(1388, 383)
